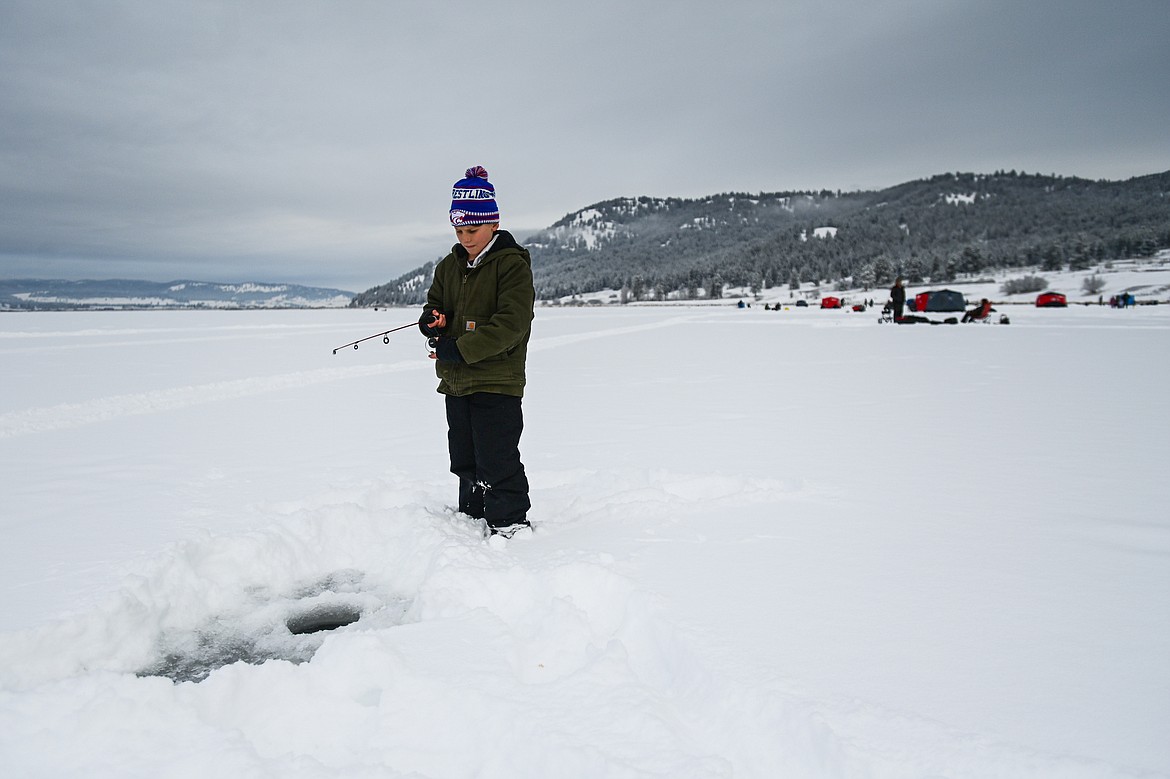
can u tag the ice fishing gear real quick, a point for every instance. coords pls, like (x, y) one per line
(385, 336)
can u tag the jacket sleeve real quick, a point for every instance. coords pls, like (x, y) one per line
(435, 293)
(511, 322)
(435, 296)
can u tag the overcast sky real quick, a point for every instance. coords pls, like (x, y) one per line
(316, 142)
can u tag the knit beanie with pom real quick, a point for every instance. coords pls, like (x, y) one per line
(473, 199)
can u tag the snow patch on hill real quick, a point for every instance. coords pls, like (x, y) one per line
(961, 199)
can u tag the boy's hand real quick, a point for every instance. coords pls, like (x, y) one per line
(432, 322)
(445, 350)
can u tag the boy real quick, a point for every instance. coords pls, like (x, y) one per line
(478, 317)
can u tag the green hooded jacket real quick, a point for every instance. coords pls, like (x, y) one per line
(489, 312)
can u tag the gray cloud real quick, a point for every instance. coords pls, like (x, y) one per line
(317, 141)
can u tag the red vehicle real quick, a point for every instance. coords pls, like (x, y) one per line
(830, 302)
(1052, 300)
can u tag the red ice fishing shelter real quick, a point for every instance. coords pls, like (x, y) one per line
(830, 302)
(939, 300)
(1051, 300)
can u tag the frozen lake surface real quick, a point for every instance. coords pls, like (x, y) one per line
(769, 543)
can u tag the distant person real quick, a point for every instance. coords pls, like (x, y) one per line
(898, 298)
(478, 317)
(981, 311)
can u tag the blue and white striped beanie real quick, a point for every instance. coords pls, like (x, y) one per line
(473, 199)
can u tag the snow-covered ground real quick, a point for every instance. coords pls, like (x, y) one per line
(796, 543)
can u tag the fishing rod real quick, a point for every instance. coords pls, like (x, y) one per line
(384, 335)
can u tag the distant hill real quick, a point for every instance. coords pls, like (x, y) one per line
(936, 228)
(407, 290)
(57, 295)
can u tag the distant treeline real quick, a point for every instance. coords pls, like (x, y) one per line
(929, 229)
(408, 289)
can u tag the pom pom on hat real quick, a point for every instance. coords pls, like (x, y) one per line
(473, 199)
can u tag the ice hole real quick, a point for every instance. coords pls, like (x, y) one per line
(284, 630)
(322, 618)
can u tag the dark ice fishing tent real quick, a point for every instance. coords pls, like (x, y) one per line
(940, 300)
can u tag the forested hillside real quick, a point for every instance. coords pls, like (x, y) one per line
(407, 290)
(927, 229)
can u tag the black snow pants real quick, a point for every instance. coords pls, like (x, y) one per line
(483, 437)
